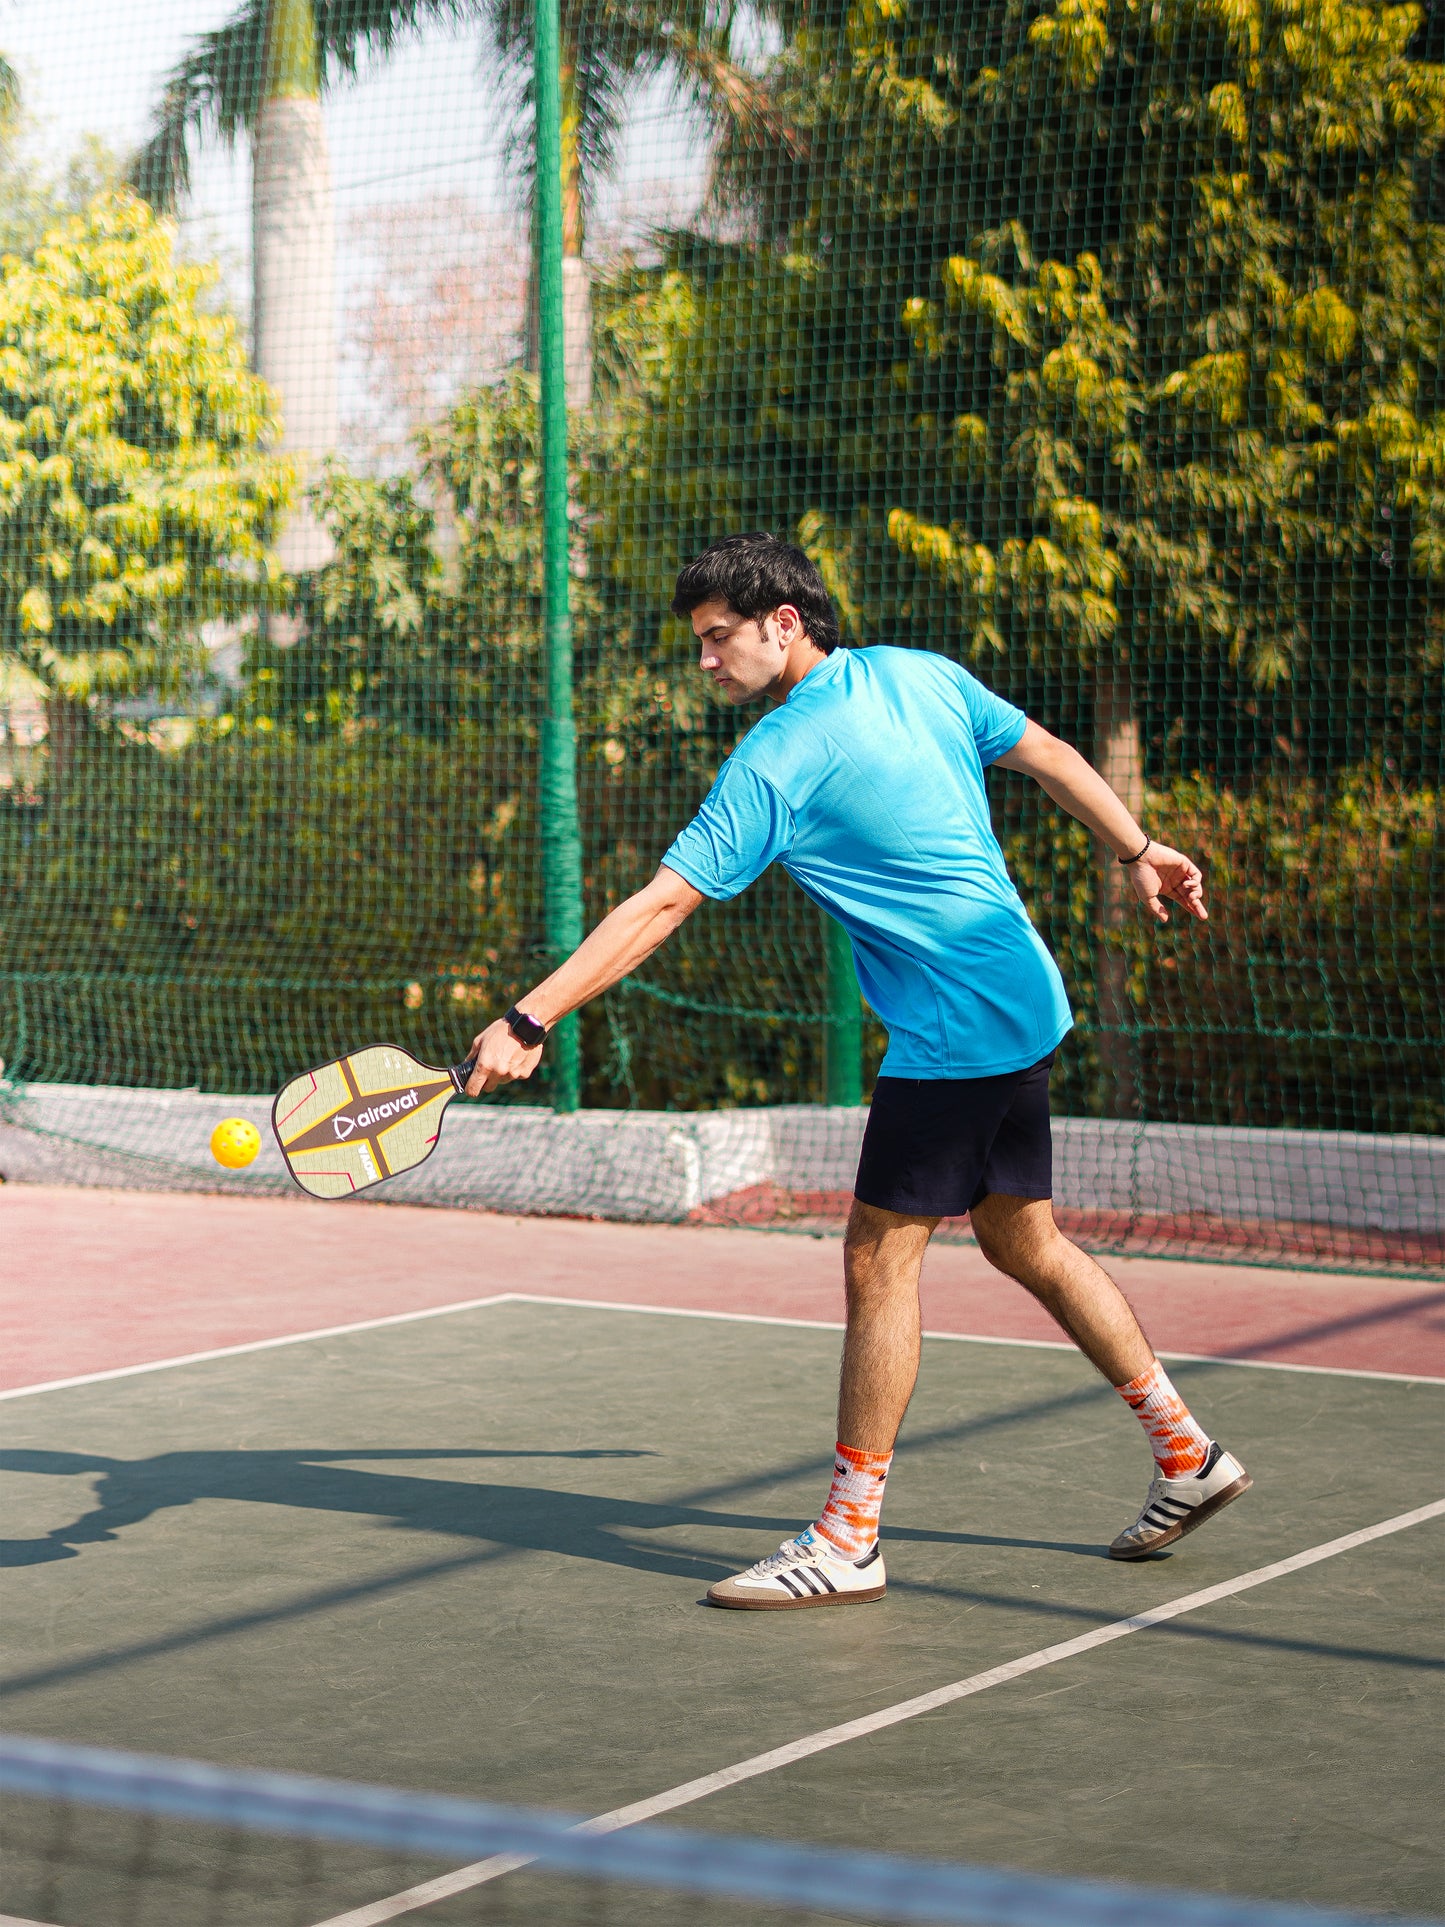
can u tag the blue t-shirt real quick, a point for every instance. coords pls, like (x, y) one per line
(867, 786)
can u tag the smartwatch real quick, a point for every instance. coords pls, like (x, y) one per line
(525, 1029)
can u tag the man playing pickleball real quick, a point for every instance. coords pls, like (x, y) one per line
(866, 782)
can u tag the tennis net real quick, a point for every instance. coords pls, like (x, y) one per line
(96, 1838)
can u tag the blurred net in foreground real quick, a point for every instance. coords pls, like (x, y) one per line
(102, 1839)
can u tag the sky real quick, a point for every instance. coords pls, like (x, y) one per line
(424, 200)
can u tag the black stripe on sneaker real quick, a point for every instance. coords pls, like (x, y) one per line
(786, 1583)
(816, 1572)
(869, 1557)
(804, 1577)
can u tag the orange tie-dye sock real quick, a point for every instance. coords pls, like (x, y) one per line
(1179, 1445)
(849, 1520)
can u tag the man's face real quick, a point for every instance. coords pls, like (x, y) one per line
(744, 655)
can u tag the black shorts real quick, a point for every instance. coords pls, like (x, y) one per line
(935, 1145)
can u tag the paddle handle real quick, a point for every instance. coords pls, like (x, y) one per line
(459, 1073)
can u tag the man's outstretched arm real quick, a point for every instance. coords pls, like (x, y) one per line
(618, 945)
(1077, 787)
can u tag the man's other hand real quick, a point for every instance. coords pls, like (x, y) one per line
(500, 1058)
(1162, 873)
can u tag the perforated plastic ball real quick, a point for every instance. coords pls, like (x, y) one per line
(234, 1142)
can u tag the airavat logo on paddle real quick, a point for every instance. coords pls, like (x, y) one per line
(364, 1120)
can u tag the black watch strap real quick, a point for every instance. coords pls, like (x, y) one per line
(525, 1029)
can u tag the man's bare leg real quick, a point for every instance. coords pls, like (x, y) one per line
(882, 1259)
(1018, 1236)
(1194, 1476)
(838, 1559)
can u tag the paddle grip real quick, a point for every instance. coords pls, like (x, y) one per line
(459, 1073)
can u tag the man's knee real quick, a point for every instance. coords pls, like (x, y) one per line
(883, 1250)
(998, 1255)
(1023, 1260)
(1018, 1237)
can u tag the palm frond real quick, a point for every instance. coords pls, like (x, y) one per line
(612, 46)
(216, 87)
(212, 89)
(596, 90)
(741, 105)
(349, 30)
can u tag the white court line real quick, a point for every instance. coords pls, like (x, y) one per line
(496, 1865)
(967, 1338)
(251, 1345)
(655, 1311)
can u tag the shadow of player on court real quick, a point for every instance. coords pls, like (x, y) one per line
(580, 1525)
(492, 1521)
(523, 1517)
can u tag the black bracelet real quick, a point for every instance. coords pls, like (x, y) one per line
(1139, 855)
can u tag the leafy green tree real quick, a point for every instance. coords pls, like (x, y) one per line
(136, 499)
(369, 647)
(395, 636)
(1215, 428)
(1102, 345)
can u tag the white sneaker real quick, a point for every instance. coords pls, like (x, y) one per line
(805, 1571)
(1177, 1506)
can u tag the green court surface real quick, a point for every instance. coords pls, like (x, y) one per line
(466, 1553)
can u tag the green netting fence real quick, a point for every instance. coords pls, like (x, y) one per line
(1098, 347)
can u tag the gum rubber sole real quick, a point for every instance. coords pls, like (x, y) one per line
(775, 1605)
(1197, 1517)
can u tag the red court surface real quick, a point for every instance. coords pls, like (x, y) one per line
(94, 1280)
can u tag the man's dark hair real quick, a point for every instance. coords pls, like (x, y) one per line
(755, 574)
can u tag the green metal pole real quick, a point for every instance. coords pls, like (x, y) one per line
(561, 838)
(843, 1036)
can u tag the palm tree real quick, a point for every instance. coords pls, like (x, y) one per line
(293, 258)
(608, 46)
(267, 67)
(263, 71)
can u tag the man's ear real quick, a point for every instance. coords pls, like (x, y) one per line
(789, 621)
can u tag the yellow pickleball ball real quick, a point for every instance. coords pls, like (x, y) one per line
(234, 1142)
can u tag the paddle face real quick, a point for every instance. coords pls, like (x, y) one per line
(362, 1119)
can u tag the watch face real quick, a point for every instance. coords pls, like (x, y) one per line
(525, 1029)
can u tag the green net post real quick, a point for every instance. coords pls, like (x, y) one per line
(561, 838)
(843, 1034)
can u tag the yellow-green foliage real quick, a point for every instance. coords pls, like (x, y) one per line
(1243, 380)
(1132, 343)
(136, 496)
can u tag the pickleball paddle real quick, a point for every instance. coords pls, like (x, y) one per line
(362, 1118)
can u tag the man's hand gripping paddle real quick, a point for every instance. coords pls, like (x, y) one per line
(363, 1118)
